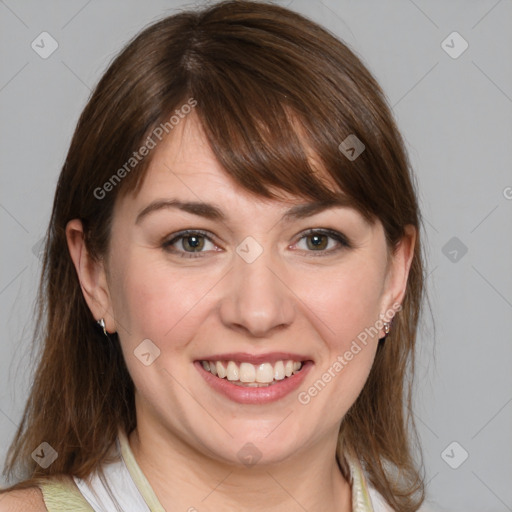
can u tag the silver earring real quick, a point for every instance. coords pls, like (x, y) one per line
(387, 327)
(101, 323)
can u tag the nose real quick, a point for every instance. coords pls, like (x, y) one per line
(257, 300)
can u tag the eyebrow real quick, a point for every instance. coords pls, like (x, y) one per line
(213, 212)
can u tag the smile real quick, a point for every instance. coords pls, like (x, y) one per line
(253, 375)
(254, 379)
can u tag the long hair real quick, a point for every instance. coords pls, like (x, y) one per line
(269, 87)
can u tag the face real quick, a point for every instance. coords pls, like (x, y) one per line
(277, 305)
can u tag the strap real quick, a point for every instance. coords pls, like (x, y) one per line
(59, 495)
(112, 489)
(120, 487)
(138, 476)
(361, 500)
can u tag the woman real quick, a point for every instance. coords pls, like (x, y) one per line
(231, 285)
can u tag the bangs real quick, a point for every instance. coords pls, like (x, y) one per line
(265, 144)
(265, 137)
(262, 142)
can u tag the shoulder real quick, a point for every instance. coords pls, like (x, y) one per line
(24, 500)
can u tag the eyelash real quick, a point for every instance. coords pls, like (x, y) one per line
(339, 237)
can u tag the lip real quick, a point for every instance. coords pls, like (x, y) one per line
(254, 396)
(242, 357)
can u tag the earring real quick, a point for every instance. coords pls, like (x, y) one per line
(101, 323)
(387, 327)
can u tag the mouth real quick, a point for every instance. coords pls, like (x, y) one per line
(250, 375)
(248, 379)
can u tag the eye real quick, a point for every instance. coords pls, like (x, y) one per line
(188, 242)
(323, 241)
(193, 243)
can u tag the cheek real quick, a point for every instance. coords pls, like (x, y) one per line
(346, 304)
(152, 301)
(346, 301)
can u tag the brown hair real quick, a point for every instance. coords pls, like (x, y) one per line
(270, 86)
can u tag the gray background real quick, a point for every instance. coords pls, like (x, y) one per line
(455, 114)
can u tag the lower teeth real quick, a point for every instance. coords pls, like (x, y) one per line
(253, 384)
(259, 384)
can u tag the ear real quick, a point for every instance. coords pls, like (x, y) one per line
(398, 271)
(91, 274)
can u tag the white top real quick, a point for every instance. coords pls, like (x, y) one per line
(117, 493)
(125, 487)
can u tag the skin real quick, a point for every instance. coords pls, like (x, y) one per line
(292, 298)
(23, 500)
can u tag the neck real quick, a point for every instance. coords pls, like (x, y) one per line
(184, 479)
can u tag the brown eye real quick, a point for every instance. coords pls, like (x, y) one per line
(192, 243)
(189, 244)
(317, 242)
(322, 241)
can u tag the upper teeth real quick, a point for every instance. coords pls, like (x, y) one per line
(247, 372)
